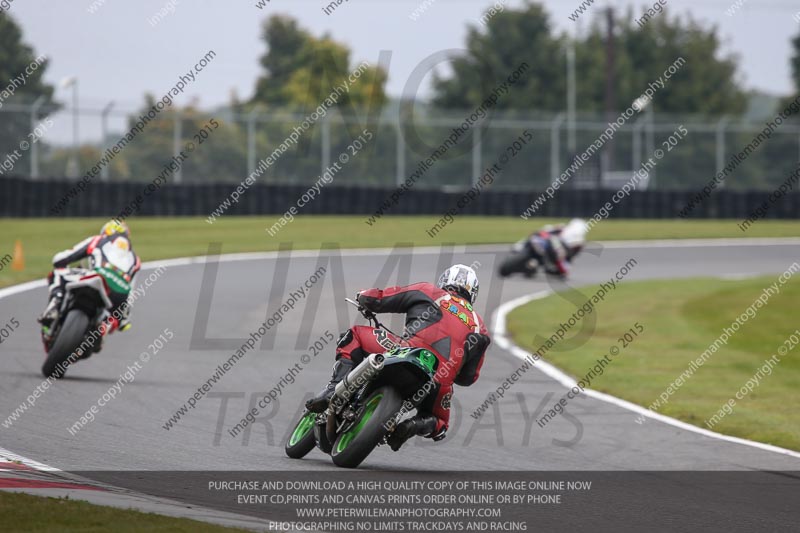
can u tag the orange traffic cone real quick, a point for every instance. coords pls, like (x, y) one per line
(18, 263)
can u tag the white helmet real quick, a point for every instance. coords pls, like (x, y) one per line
(461, 279)
(574, 233)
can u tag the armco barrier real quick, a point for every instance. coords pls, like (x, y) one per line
(25, 198)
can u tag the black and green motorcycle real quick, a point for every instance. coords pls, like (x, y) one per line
(367, 405)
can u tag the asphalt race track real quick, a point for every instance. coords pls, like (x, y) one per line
(128, 432)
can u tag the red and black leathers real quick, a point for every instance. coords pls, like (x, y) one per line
(436, 319)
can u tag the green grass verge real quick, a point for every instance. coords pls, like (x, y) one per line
(681, 319)
(34, 514)
(161, 238)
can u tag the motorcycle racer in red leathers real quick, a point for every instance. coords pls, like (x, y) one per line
(439, 318)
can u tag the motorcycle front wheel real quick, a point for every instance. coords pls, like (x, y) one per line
(70, 336)
(354, 445)
(302, 440)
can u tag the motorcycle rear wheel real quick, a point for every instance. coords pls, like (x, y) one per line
(72, 333)
(354, 445)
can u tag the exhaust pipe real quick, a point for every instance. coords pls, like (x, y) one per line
(363, 373)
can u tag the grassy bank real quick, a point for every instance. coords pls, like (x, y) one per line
(35, 514)
(681, 319)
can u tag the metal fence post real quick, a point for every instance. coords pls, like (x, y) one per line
(177, 134)
(326, 144)
(555, 146)
(35, 146)
(651, 144)
(251, 141)
(401, 154)
(636, 131)
(104, 136)
(476, 156)
(723, 122)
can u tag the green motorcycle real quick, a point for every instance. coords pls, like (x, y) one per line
(367, 404)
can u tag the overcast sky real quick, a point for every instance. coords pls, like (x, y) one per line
(117, 55)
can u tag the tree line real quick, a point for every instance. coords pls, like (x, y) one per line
(299, 69)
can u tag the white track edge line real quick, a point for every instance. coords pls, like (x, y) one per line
(16, 458)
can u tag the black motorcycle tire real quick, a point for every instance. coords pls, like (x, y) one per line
(70, 336)
(298, 446)
(372, 432)
(321, 436)
(514, 263)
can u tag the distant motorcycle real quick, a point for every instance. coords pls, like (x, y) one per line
(365, 405)
(81, 319)
(523, 260)
(528, 255)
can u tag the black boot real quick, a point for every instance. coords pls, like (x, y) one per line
(320, 402)
(419, 425)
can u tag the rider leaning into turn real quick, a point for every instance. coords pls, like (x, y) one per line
(558, 244)
(438, 317)
(112, 250)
